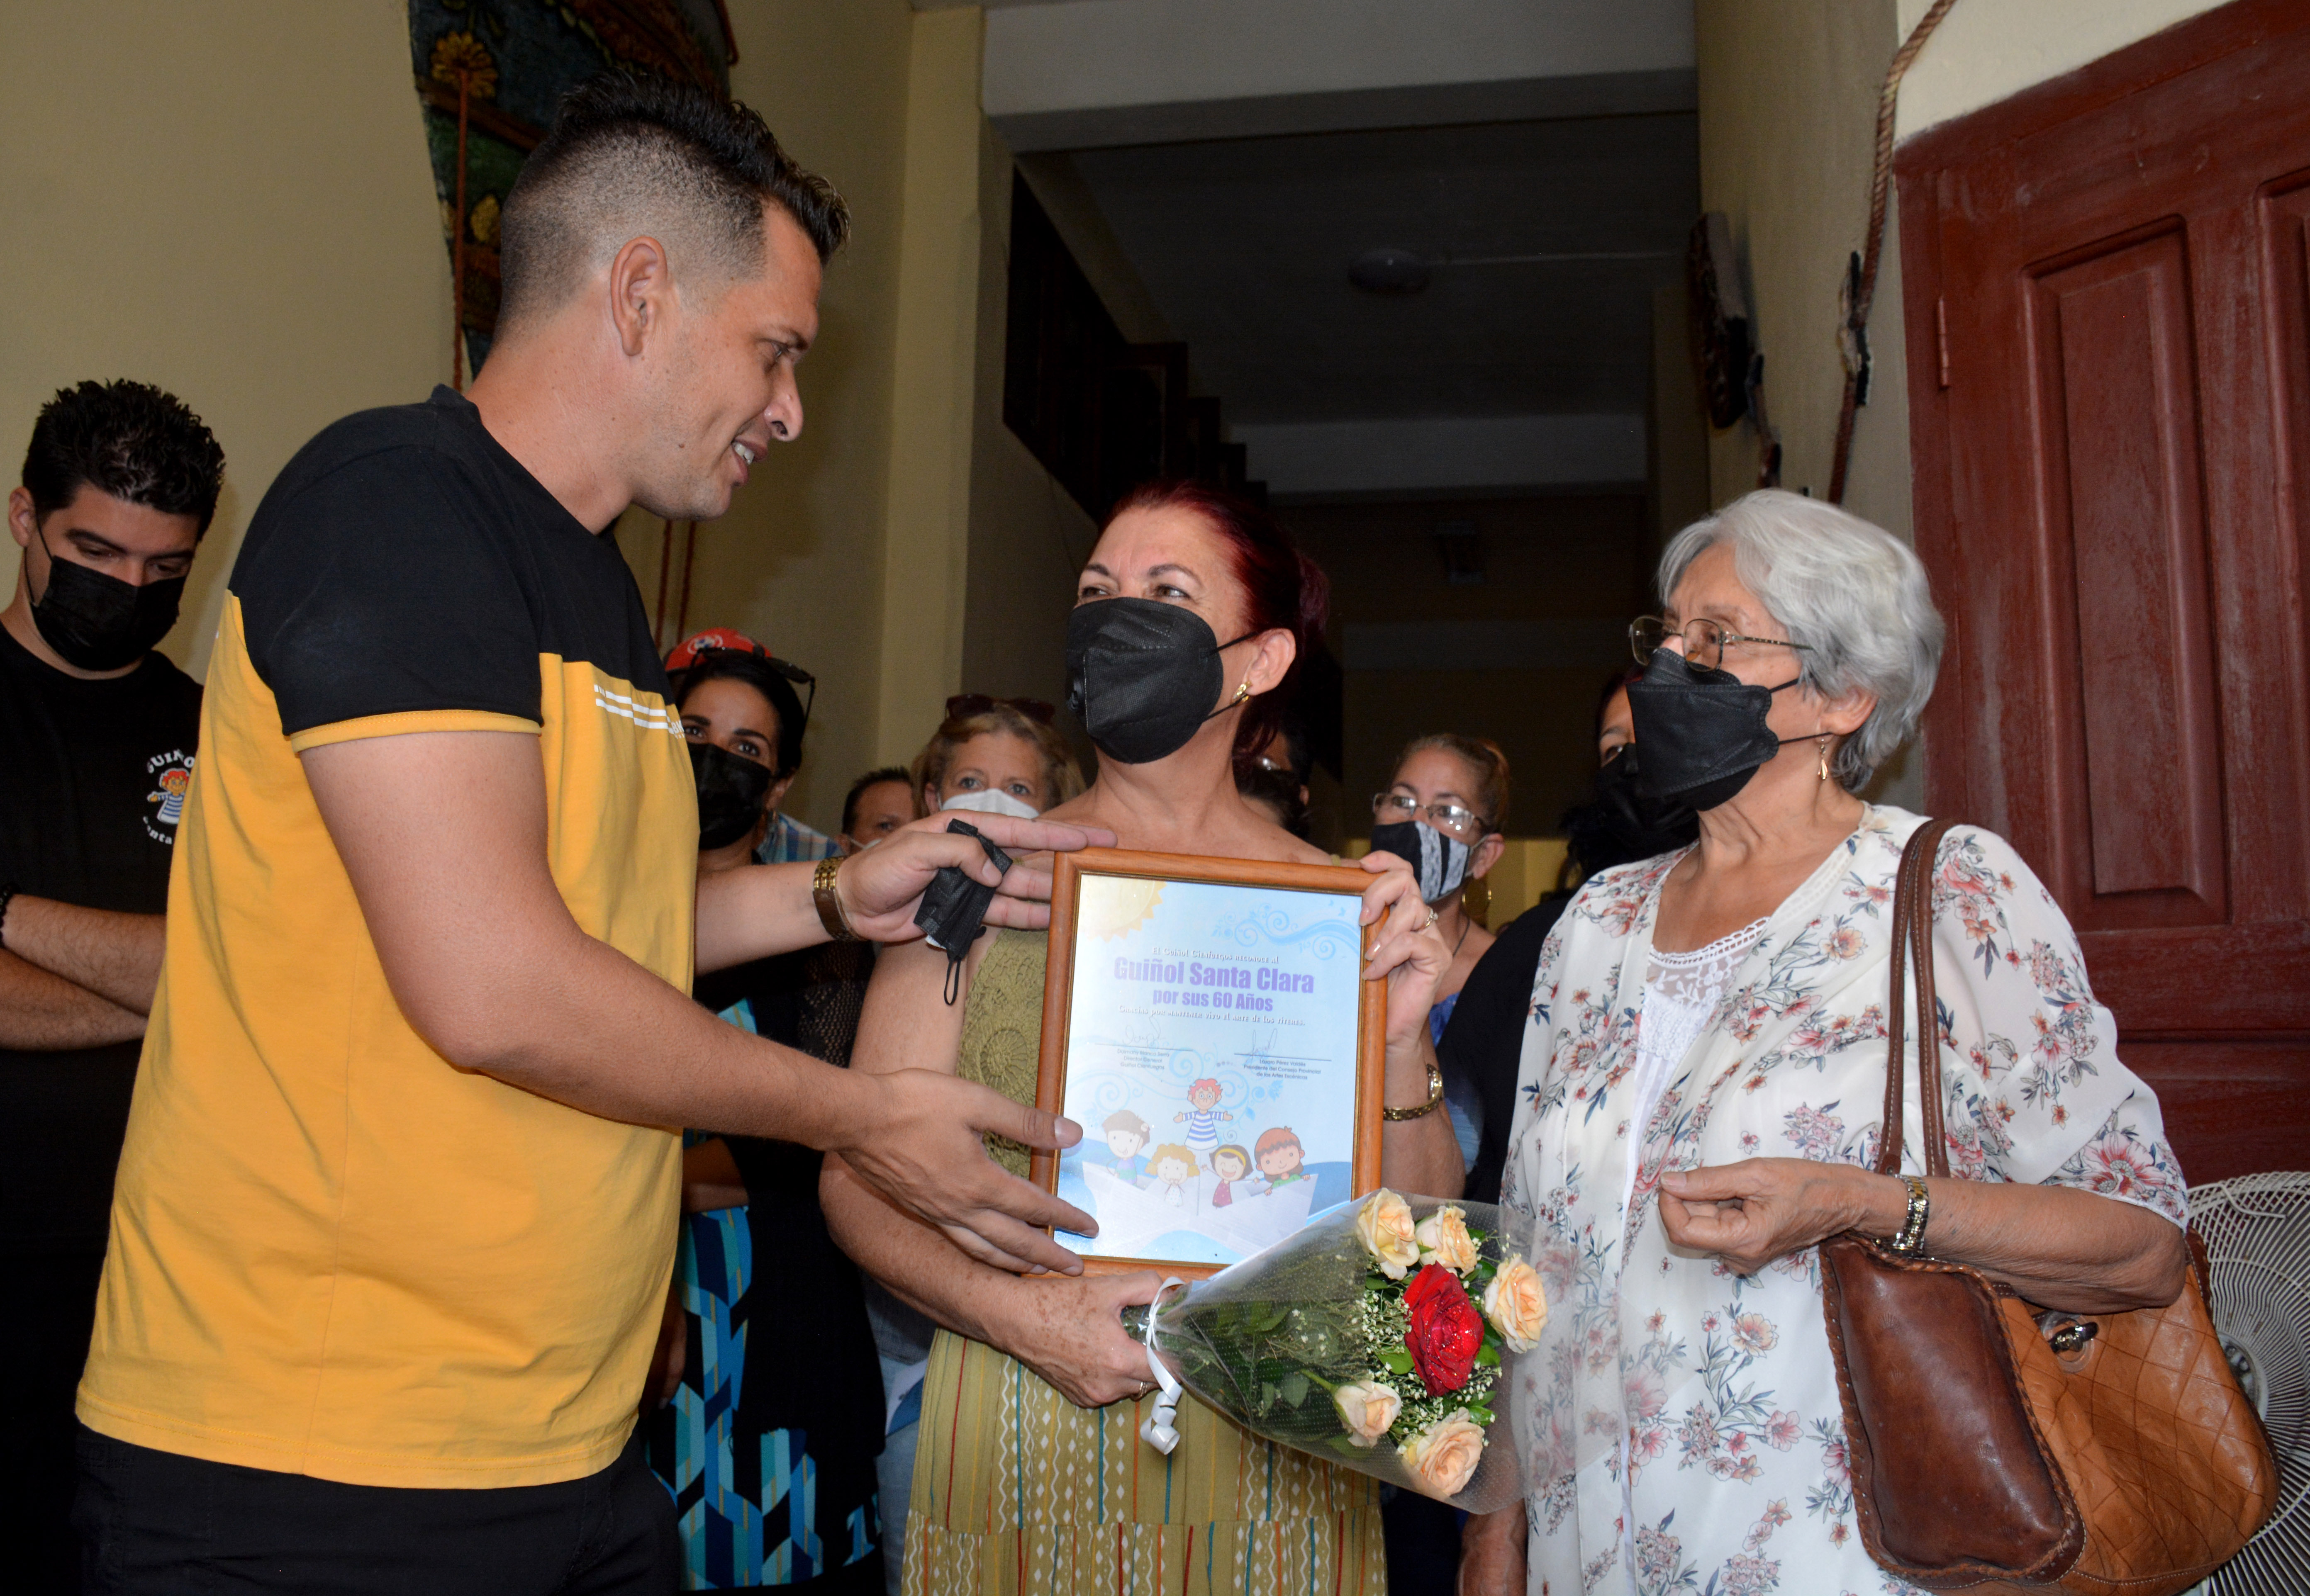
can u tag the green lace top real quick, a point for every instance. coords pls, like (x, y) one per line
(1002, 1027)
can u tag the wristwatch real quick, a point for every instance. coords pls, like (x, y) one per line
(1435, 1096)
(1912, 1239)
(830, 906)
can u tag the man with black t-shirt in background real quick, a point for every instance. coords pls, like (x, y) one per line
(97, 735)
(396, 1214)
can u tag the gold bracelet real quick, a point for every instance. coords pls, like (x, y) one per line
(830, 906)
(1435, 1096)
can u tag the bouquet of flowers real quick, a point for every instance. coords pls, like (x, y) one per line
(1375, 1335)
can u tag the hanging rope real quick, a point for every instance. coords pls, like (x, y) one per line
(1864, 292)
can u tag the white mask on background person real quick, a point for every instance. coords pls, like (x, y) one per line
(992, 801)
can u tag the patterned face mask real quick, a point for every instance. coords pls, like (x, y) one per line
(1440, 861)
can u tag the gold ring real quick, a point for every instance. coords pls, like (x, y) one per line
(1432, 916)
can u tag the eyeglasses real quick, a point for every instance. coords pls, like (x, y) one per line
(964, 705)
(1703, 640)
(1460, 825)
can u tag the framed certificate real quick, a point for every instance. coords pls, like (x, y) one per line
(1207, 1023)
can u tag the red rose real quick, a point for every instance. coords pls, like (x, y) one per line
(1446, 1330)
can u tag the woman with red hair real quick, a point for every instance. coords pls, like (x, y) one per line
(1191, 617)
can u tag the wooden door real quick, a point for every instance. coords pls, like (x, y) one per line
(2108, 308)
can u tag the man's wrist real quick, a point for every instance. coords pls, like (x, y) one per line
(848, 1109)
(826, 894)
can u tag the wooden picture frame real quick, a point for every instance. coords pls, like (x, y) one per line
(1243, 967)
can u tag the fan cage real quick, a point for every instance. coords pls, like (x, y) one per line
(2257, 1231)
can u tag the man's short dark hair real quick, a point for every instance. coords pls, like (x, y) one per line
(631, 154)
(128, 439)
(873, 778)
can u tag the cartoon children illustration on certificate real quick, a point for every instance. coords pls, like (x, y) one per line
(1203, 1120)
(1126, 1134)
(1231, 1174)
(1174, 1166)
(1282, 1158)
(1216, 1058)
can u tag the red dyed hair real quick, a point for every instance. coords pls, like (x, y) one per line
(1283, 590)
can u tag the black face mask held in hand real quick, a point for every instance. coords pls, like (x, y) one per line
(731, 793)
(97, 622)
(1440, 861)
(1703, 732)
(1625, 822)
(1141, 675)
(953, 910)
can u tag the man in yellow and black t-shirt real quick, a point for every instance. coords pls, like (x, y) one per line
(395, 1219)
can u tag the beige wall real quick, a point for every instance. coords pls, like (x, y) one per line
(232, 201)
(1985, 51)
(1678, 438)
(1029, 538)
(1788, 104)
(798, 561)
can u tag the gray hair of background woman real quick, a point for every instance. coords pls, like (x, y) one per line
(1852, 593)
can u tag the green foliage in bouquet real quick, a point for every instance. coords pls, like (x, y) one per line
(1372, 1337)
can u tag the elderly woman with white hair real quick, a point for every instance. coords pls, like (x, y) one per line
(1703, 1073)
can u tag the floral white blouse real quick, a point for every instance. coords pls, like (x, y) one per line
(1719, 1390)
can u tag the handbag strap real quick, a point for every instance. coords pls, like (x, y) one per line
(1913, 943)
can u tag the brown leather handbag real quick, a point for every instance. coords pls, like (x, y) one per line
(1999, 1447)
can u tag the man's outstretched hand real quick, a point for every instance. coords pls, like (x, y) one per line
(919, 1144)
(882, 888)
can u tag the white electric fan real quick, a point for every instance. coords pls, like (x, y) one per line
(2257, 1233)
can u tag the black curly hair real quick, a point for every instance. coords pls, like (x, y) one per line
(632, 153)
(129, 439)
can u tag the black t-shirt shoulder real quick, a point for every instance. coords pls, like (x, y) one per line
(404, 562)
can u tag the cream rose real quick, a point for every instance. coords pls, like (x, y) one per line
(1444, 1240)
(1516, 1305)
(1384, 1224)
(1367, 1408)
(1442, 1456)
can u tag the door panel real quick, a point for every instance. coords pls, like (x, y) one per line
(2140, 843)
(2113, 272)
